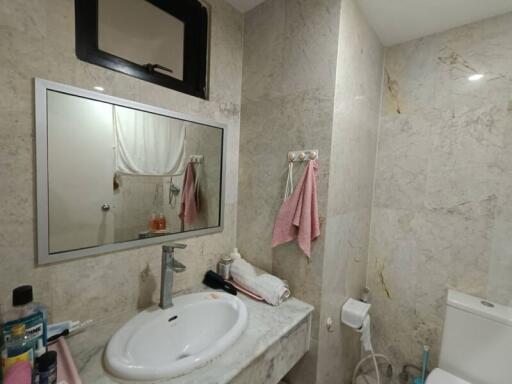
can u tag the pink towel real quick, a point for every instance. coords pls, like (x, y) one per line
(298, 216)
(66, 368)
(189, 208)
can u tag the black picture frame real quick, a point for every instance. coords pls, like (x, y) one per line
(195, 18)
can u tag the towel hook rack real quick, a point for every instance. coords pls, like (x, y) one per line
(196, 159)
(303, 155)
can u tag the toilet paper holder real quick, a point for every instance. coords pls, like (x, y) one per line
(354, 312)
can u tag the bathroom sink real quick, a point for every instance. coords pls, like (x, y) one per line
(161, 343)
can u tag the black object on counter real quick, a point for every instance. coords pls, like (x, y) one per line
(58, 336)
(215, 281)
(22, 295)
(47, 368)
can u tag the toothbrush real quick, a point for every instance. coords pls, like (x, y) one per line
(65, 328)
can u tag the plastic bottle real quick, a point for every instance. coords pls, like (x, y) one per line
(47, 368)
(40, 350)
(162, 224)
(224, 265)
(235, 254)
(33, 315)
(19, 348)
(153, 222)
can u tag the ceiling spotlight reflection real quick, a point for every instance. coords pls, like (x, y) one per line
(475, 77)
(98, 88)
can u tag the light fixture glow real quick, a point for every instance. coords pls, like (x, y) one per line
(475, 77)
(98, 88)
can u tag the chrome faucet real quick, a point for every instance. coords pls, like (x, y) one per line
(169, 266)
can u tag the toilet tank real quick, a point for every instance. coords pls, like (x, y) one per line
(477, 340)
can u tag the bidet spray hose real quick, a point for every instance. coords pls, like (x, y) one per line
(372, 356)
(367, 345)
(377, 373)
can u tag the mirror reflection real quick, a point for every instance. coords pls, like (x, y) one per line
(118, 174)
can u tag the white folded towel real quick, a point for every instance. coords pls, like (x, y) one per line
(272, 289)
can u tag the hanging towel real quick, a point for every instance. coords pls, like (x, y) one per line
(189, 208)
(269, 287)
(148, 144)
(298, 216)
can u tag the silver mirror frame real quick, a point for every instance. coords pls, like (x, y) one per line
(43, 254)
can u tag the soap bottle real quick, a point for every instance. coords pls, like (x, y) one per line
(224, 265)
(162, 224)
(153, 222)
(235, 254)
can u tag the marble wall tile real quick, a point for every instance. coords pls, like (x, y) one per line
(402, 162)
(355, 126)
(264, 39)
(312, 79)
(287, 104)
(344, 276)
(499, 284)
(440, 216)
(289, 46)
(37, 40)
(305, 121)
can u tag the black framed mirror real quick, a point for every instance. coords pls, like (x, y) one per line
(163, 42)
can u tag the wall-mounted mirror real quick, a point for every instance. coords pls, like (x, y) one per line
(115, 174)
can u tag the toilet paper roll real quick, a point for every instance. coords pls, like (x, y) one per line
(366, 338)
(354, 312)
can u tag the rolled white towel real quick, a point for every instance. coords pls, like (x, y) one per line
(272, 289)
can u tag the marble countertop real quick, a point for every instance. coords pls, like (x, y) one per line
(267, 325)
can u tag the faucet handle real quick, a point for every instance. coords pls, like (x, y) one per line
(170, 246)
(176, 266)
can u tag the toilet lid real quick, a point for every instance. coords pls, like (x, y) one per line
(438, 376)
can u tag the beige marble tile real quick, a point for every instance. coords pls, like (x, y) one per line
(352, 166)
(440, 216)
(264, 39)
(263, 163)
(312, 79)
(37, 40)
(343, 277)
(288, 93)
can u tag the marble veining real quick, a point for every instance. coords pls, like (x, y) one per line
(441, 215)
(274, 340)
(290, 50)
(311, 79)
(37, 40)
(352, 165)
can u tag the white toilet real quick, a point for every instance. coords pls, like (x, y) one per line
(477, 343)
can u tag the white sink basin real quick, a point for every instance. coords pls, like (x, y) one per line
(165, 343)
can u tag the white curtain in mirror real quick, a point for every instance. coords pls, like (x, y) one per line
(148, 144)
